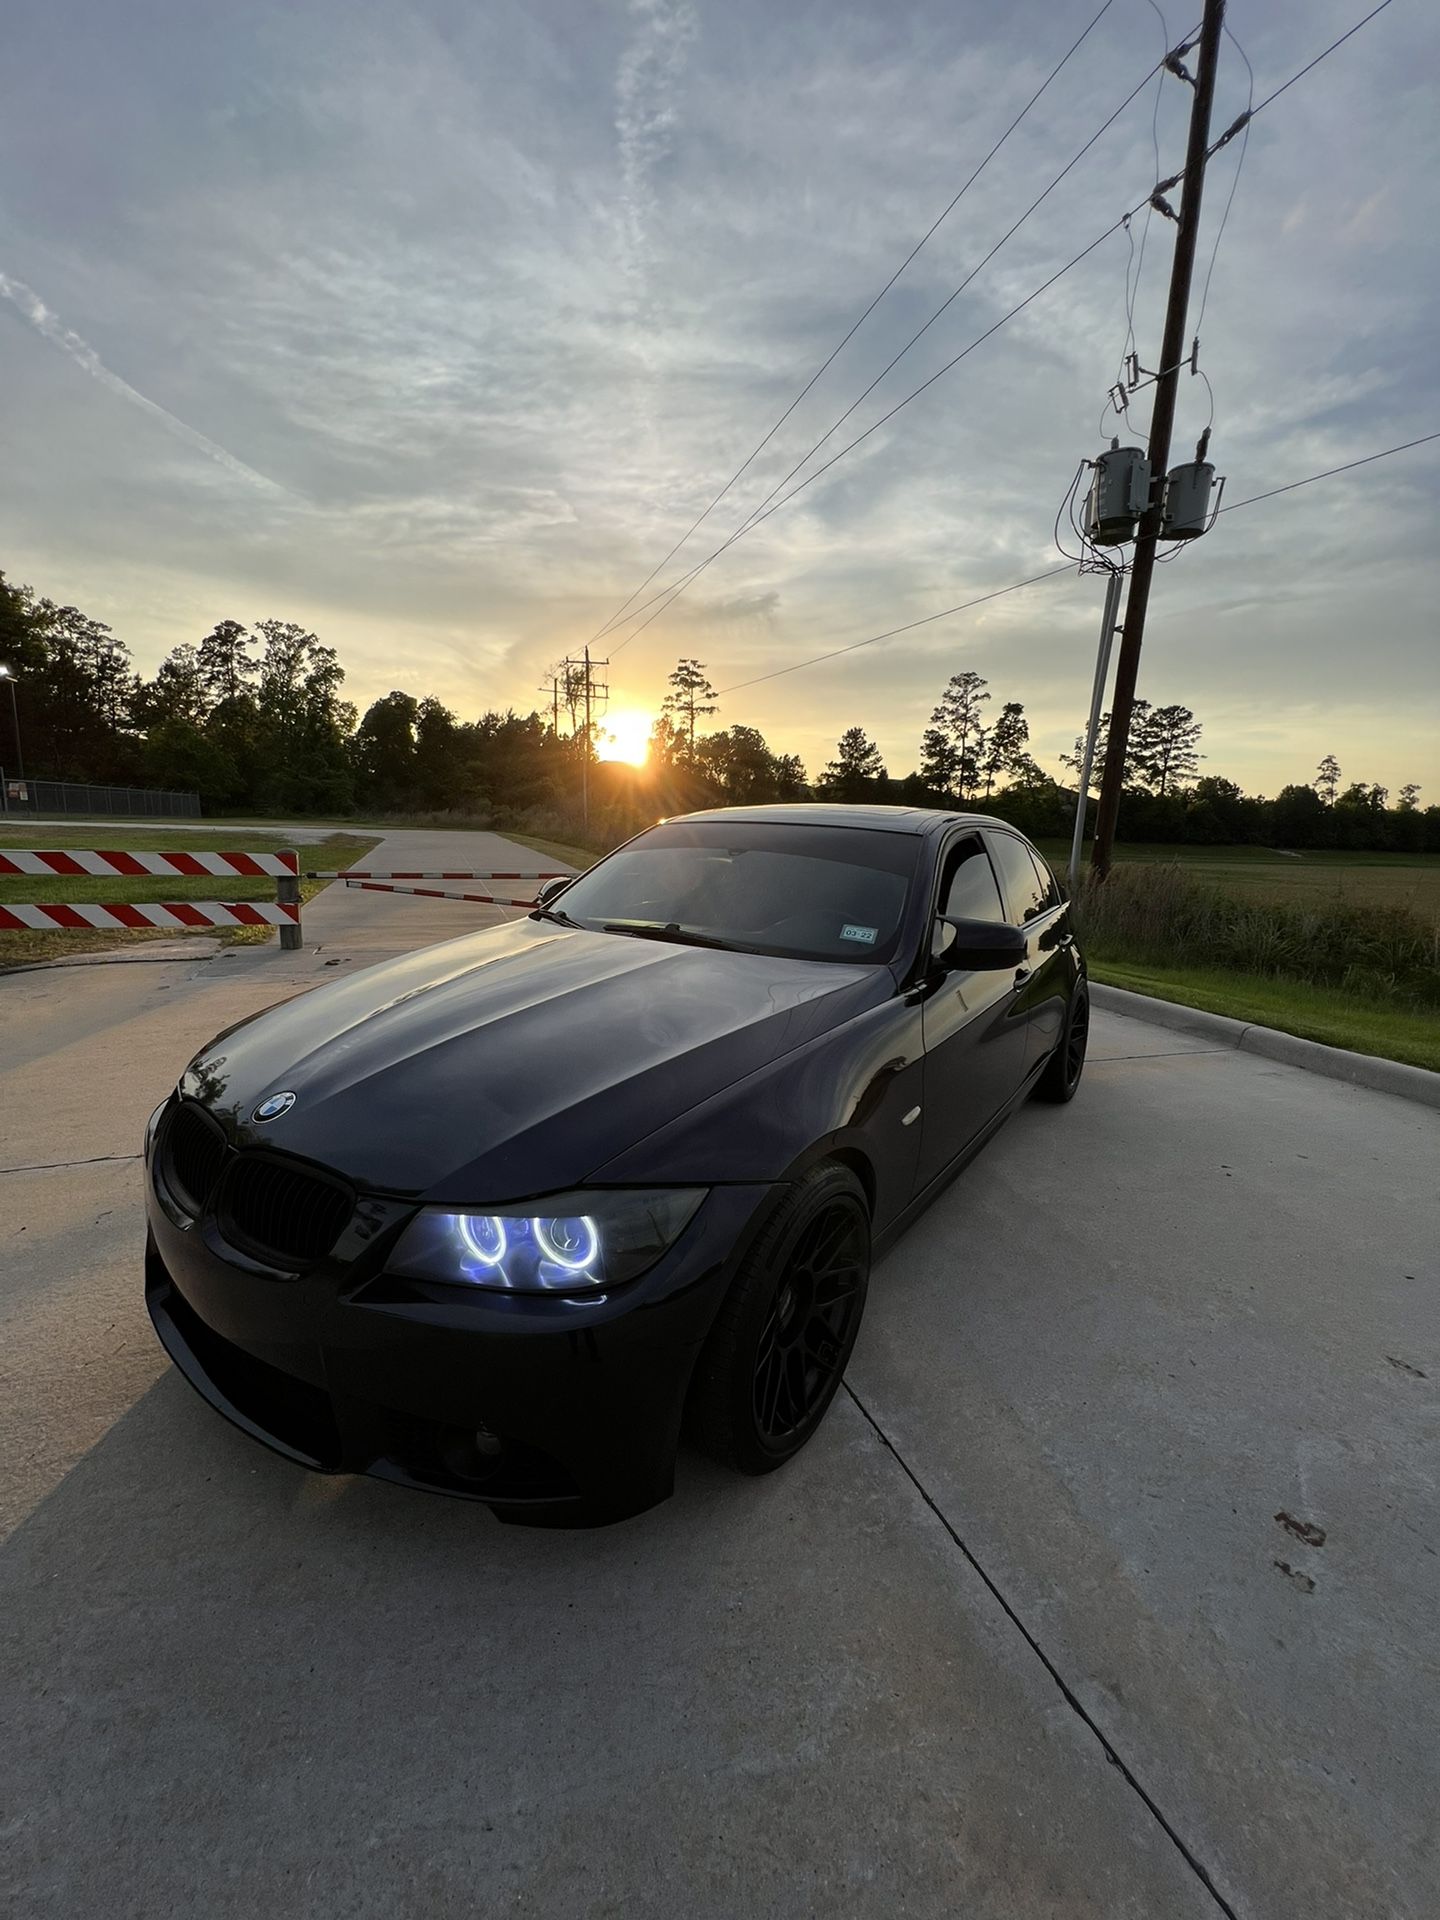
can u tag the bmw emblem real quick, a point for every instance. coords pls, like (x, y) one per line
(272, 1108)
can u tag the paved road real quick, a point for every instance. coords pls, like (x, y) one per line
(1020, 1634)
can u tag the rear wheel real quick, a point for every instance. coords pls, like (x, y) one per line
(781, 1340)
(1061, 1078)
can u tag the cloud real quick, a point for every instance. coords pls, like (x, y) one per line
(645, 111)
(51, 328)
(507, 293)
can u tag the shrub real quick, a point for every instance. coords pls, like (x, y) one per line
(1161, 915)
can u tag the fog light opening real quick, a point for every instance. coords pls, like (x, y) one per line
(470, 1454)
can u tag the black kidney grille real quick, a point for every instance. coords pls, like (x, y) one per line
(282, 1213)
(193, 1152)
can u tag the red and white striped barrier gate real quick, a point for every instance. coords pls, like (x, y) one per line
(58, 916)
(368, 880)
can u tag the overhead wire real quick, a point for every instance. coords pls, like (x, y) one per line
(928, 619)
(1234, 182)
(840, 346)
(758, 517)
(1286, 85)
(1053, 573)
(1132, 293)
(875, 425)
(1330, 472)
(678, 585)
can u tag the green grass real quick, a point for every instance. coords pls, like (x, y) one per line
(1318, 879)
(25, 945)
(1326, 1014)
(568, 856)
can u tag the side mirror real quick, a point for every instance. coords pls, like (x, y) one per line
(981, 946)
(552, 890)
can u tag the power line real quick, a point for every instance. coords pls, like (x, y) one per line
(1132, 293)
(675, 587)
(1321, 56)
(928, 619)
(669, 594)
(1239, 169)
(835, 353)
(817, 659)
(772, 506)
(1330, 472)
(875, 425)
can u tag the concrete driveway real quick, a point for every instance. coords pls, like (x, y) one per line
(1020, 1634)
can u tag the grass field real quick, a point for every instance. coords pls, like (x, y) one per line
(568, 856)
(1321, 879)
(26, 945)
(1327, 1014)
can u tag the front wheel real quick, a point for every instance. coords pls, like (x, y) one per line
(781, 1340)
(1061, 1078)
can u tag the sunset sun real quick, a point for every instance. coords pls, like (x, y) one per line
(624, 736)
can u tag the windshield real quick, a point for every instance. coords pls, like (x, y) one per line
(815, 893)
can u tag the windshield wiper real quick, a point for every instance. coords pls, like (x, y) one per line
(661, 930)
(555, 914)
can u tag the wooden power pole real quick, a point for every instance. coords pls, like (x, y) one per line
(1162, 421)
(582, 672)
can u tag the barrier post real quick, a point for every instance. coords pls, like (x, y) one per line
(287, 894)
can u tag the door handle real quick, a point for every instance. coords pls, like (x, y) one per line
(1022, 974)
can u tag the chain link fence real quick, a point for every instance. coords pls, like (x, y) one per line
(41, 799)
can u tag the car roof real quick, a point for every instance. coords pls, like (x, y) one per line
(820, 813)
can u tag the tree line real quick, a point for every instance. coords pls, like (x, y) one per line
(254, 720)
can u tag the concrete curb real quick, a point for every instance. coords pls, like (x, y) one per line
(150, 953)
(1336, 1063)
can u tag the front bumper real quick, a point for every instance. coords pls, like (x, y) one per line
(550, 1411)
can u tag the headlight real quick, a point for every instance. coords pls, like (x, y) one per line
(568, 1244)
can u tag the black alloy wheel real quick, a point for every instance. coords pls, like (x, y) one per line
(785, 1331)
(1061, 1078)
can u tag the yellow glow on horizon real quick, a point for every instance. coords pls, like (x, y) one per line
(625, 736)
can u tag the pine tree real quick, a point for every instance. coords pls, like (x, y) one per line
(958, 718)
(857, 768)
(693, 698)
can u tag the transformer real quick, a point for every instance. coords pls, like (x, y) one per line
(1187, 501)
(1119, 494)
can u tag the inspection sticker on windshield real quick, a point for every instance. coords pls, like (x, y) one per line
(865, 934)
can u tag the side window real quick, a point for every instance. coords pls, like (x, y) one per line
(1019, 877)
(1054, 894)
(970, 892)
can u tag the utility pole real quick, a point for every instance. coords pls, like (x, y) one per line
(584, 670)
(552, 687)
(1097, 700)
(1162, 421)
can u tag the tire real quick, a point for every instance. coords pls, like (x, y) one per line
(1060, 1081)
(779, 1347)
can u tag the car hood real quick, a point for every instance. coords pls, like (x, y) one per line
(514, 1061)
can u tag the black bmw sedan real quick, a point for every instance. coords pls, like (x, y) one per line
(503, 1217)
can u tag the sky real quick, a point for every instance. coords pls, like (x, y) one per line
(434, 326)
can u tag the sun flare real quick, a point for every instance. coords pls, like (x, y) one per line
(624, 736)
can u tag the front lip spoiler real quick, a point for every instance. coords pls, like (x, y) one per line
(172, 1321)
(587, 1409)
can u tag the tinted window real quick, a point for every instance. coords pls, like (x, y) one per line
(819, 893)
(1018, 876)
(970, 892)
(1049, 884)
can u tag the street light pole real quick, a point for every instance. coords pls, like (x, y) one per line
(1097, 700)
(7, 675)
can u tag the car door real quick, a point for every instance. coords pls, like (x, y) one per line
(1034, 902)
(975, 1035)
